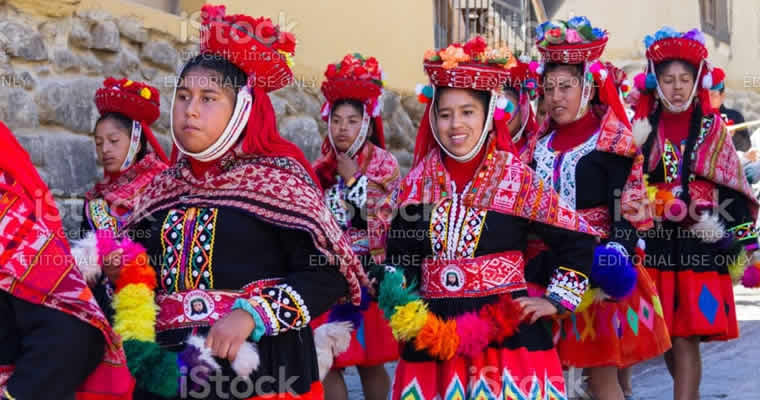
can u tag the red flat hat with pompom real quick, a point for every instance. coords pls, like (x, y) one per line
(686, 49)
(354, 77)
(255, 45)
(574, 41)
(136, 100)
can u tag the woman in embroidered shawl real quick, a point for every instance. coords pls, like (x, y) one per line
(359, 177)
(590, 156)
(704, 206)
(51, 329)
(237, 223)
(122, 133)
(464, 214)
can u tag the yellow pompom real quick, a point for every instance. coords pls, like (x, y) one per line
(145, 93)
(737, 266)
(136, 313)
(408, 320)
(288, 58)
(587, 300)
(128, 83)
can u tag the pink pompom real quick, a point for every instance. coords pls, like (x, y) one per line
(751, 278)
(640, 82)
(131, 250)
(676, 210)
(106, 243)
(595, 68)
(473, 334)
(533, 66)
(499, 114)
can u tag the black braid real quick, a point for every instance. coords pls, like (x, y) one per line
(646, 148)
(694, 127)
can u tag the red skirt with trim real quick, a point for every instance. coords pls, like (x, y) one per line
(371, 344)
(697, 303)
(616, 333)
(498, 373)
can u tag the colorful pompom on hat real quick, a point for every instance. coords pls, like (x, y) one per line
(255, 45)
(570, 42)
(136, 100)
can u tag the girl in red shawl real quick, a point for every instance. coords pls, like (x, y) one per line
(704, 206)
(359, 178)
(51, 328)
(464, 213)
(122, 133)
(590, 156)
(241, 251)
(127, 109)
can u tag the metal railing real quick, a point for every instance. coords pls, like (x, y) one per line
(500, 22)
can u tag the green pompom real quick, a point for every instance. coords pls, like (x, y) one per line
(154, 368)
(394, 292)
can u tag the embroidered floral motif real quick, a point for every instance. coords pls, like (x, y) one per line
(670, 162)
(187, 239)
(100, 215)
(559, 168)
(284, 308)
(455, 229)
(567, 287)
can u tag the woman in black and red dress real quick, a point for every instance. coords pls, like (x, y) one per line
(693, 169)
(464, 214)
(244, 249)
(590, 156)
(359, 178)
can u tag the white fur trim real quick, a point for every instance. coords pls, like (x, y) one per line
(199, 343)
(247, 359)
(331, 339)
(709, 229)
(641, 130)
(85, 253)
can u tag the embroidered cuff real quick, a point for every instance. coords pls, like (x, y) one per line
(283, 307)
(260, 327)
(567, 287)
(746, 234)
(357, 193)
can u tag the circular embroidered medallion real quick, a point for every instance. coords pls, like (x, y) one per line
(452, 278)
(198, 305)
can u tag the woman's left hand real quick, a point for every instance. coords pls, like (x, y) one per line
(538, 307)
(228, 334)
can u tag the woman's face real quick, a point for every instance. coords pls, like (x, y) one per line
(202, 108)
(676, 83)
(562, 94)
(345, 124)
(459, 120)
(111, 144)
(516, 122)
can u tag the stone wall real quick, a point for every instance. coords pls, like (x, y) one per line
(50, 68)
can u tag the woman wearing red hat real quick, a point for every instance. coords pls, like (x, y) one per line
(51, 328)
(705, 207)
(127, 109)
(464, 214)
(240, 251)
(590, 156)
(359, 178)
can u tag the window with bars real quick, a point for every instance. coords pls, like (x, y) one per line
(716, 19)
(500, 22)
